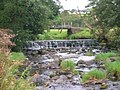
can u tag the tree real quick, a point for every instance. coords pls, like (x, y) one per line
(107, 11)
(68, 17)
(103, 16)
(26, 18)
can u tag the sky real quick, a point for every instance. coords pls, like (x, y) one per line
(74, 4)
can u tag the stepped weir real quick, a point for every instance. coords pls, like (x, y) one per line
(60, 44)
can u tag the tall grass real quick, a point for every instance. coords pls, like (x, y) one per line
(104, 56)
(113, 69)
(67, 65)
(94, 74)
(9, 80)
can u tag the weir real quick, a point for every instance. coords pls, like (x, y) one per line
(60, 44)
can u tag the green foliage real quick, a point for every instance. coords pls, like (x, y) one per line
(27, 19)
(113, 69)
(114, 36)
(95, 74)
(82, 34)
(66, 17)
(104, 56)
(67, 65)
(53, 34)
(75, 72)
(8, 77)
(62, 34)
(16, 56)
(9, 82)
(103, 16)
(110, 15)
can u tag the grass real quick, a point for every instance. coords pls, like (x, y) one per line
(17, 56)
(75, 72)
(104, 56)
(9, 81)
(94, 74)
(53, 34)
(82, 34)
(67, 65)
(113, 69)
(8, 78)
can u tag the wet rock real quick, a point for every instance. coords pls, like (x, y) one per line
(39, 88)
(92, 66)
(82, 65)
(81, 62)
(76, 80)
(65, 87)
(115, 84)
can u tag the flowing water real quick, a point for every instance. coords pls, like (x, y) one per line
(47, 54)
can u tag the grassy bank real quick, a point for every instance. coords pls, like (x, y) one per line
(53, 34)
(62, 34)
(8, 78)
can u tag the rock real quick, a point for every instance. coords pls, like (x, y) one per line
(81, 62)
(61, 79)
(48, 72)
(69, 76)
(39, 79)
(101, 66)
(91, 89)
(39, 88)
(103, 86)
(112, 59)
(113, 78)
(76, 80)
(115, 84)
(55, 78)
(82, 65)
